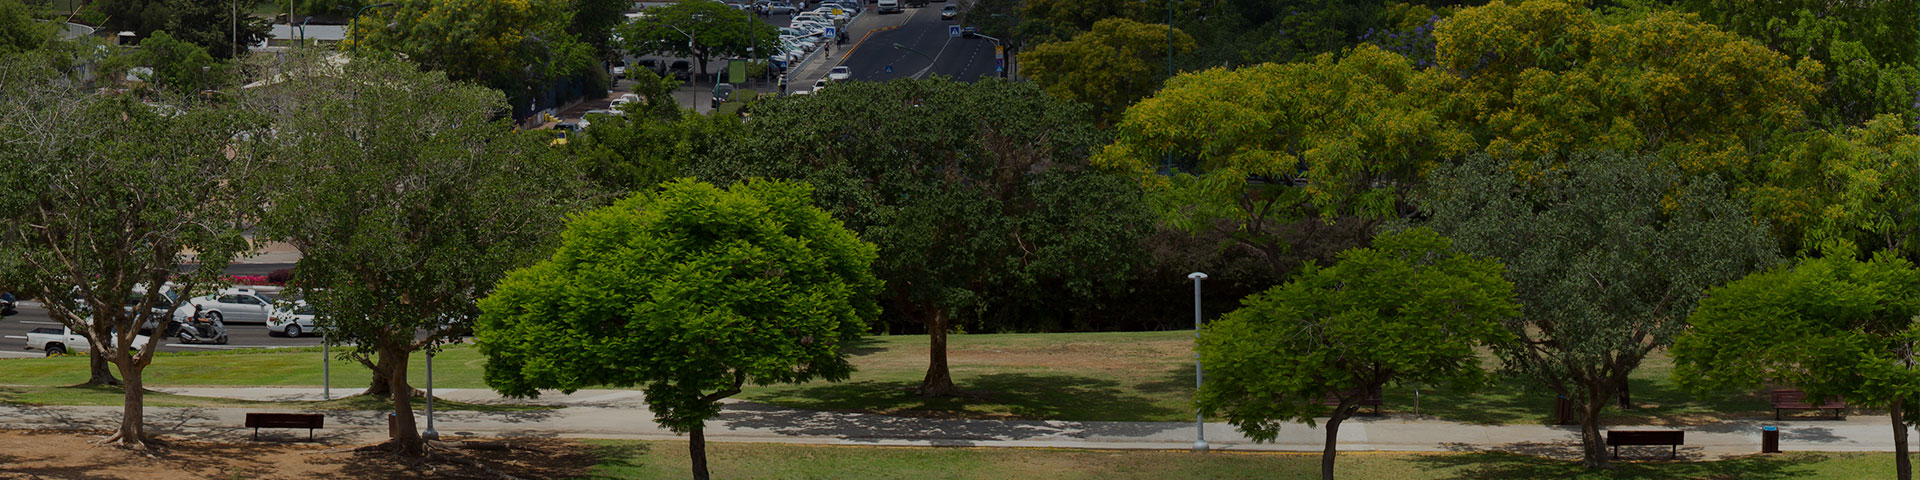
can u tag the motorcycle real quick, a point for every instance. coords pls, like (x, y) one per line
(201, 329)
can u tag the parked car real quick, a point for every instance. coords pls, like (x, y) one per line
(62, 340)
(889, 6)
(819, 84)
(7, 304)
(722, 93)
(233, 305)
(652, 65)
(840, 74)
(827, 12)
(681, 69)
(777, 8)
(619, 69)
(969, 32)
(291, 319)
(949, 11)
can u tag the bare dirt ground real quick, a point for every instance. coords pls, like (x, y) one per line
(43, 454)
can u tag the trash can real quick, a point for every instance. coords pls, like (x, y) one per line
(1564, 412)
(1770, 439)
(393, 425)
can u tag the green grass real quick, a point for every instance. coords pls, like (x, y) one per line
(112, 397)
(618, 459)
(1119, 376)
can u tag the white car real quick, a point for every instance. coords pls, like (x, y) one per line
(840, 74)
(291, 319)
(233, 305)
(63, 340)
(819, 84)
(828, 12)
(619, 70)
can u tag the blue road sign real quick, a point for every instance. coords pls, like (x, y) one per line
(953, 30)
(999, 68)
(889, 68)
(832, 33)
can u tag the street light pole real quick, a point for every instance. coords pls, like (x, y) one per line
(326, 366)
(1199, 420)
(356, 23)
(430, 434)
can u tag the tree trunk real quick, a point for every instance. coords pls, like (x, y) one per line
(1620, 381)
(1593, 448)
(1340, 413)
(939, 382)
(697, 448)
(405, 439)
(102, 372)
(382, 384)
(1902, 465)
(132, 425)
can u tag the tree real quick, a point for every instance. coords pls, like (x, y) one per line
(690, 293)
(1869, 50)
(180, 66)
(1832, 326)
(19, 32)
(105, 195)
(1853, 191)
(408, 197)
(976, 193)
(1545, 76)
(701, 31)
(653, 143)
(1110, 68)
(1608, 256)
(1261, 152)
(223, 28)
(594, 21)
(1409, 309)
(509, 46)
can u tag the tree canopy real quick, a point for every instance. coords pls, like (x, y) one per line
(1407, 309)
(1110, 68)
(699, 30)
(1608, 257)
(1827, 326)
(510, 46)
(18, 30)
(690, 292)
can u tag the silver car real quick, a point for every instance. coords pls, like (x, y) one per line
(233, 305)
(291, 319)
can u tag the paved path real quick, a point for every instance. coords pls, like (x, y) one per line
(622, 414)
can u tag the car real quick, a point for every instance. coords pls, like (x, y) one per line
(799, 92)
(619, 69)
(777, 8)
(7, 304)
(819, 84)
(889, 6)
(652, 65)
(840, 74)
(813, 17)
(722, 93)
(63, 340)
(681, 69)
(232, 305)
(969, 32)
(291, 319)
(828, 13)
(916, 3)
(949, 11)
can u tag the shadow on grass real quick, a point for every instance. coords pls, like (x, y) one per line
(617, 457)
(999, 395)
(1496, 465)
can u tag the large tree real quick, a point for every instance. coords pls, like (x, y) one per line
(180, 66)
(1832, 326)
(690, 292)
(1852, 189)
(1608, 254)
(408, 197)
(1266, 153)
(107, 195)
(1871, 50)
(977, 194)
(1407, 309)
(1110, 68)
(19, 32)
(224, 28)
(701, 31)
(510, 46)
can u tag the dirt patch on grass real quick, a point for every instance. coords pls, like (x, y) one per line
(65, 454)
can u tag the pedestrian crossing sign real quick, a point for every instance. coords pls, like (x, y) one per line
(953, 30)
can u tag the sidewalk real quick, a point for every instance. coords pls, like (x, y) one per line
(621, 414)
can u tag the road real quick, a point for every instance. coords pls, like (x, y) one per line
(13, 336)
(925, 33)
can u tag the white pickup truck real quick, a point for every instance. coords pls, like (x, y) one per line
(62, 340)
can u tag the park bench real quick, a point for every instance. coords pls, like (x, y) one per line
(1672, 438)
(1373, 399)
(309, 421)
(1797, 400)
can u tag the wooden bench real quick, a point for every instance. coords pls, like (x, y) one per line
(1672, 438)
(1797, 400)
(309, 421)
(1373, 399)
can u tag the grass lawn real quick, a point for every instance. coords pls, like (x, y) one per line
(1121, 376)
(112, 397)
(617, 459)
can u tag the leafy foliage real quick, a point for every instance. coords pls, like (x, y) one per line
(18, 30)
(1850, 193)
(408, 198)
(1409, 309)
(181, 66)
(697, 30)
(224, 29)
(1110, 68)
(508, 45)
(1869, 49)
(1608, 256)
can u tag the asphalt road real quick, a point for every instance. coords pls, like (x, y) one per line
(923, 41)
(13, 336)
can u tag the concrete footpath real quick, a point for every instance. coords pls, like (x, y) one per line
(622, 414)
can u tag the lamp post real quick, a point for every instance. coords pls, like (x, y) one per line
(692, 80)
(326, 366)
(303, 30)
(356, 23)
(430, 434)
(1199, 420)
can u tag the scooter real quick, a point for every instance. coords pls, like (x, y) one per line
(201, 329)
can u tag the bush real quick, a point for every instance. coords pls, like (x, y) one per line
(280, 277)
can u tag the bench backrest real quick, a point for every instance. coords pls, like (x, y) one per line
(1646, 437)
(286, 420)
(1798, 399)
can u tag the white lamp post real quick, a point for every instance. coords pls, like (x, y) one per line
(1199, 420)
(430, 434)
